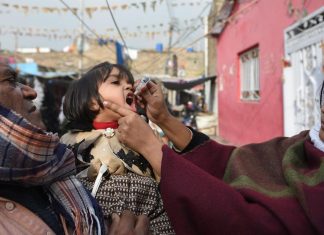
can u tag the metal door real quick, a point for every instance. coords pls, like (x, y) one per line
(304, 74)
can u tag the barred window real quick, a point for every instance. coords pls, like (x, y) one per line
(249, 74)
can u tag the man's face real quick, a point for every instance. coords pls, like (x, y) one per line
(18, 97)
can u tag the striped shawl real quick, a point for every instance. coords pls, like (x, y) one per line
(29, 157)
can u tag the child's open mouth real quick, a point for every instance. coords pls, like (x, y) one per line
(130, 101)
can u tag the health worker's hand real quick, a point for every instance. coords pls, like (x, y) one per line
(135, 133)
(154, 101)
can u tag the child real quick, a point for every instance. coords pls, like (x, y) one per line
(118, 177)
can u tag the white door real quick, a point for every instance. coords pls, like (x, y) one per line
(304, 42)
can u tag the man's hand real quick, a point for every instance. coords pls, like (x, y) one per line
(132, 130)
(135, 133)
(129, 224)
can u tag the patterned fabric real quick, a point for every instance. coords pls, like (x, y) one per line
(29, 156)
(107, 151)
(129, 184)
(137, 193)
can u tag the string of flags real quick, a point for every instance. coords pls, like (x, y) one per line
(144, 5)
(59, 34)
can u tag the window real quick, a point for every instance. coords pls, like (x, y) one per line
(249, 74)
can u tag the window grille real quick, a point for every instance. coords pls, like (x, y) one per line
(249, 75)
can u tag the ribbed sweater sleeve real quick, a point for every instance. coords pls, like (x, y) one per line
(199, 202)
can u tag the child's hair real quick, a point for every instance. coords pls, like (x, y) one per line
(84, 91)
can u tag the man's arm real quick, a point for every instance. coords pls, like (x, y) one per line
(199, 203)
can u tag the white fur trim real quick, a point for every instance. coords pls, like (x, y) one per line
(314, 135)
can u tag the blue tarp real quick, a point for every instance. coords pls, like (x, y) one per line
(119, 53)
(32, 69)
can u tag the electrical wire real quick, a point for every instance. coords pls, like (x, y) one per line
(91, 30)
(178, 51)
(115, 23)
(82, 22)
(98, 37)
(121, 36)
(185, 34)
(158, 58)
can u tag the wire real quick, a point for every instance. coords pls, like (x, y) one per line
(120, 34)
(196, 40)
(98, 37)
(79, 18)
(91, 30)
(158, 58)
(115, 23)
(185, 34)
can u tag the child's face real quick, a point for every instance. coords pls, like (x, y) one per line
(118, 90)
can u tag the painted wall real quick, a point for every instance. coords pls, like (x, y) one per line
(262, 23)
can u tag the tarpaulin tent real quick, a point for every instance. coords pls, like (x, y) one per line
(182, 84)
(32, 69)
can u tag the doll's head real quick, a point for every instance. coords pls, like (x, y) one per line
(83, 101)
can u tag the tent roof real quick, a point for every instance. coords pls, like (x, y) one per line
(182, 84)
(176, 83)
(31, 69)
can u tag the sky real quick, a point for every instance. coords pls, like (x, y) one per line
(143, 24)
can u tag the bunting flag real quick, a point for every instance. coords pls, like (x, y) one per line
(134, 5)
(151, 35)
(148, 31)
(90, 11)
(153, 4)
(144, 5)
